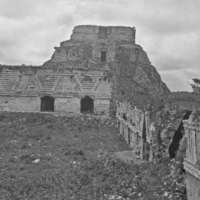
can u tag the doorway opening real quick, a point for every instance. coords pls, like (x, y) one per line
(87, 105)
(47, 103)
(103, 56)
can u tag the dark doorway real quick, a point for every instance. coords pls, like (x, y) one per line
(87, 105)
(103, 56)
(129, 136)
(144, 129)
(47, 103)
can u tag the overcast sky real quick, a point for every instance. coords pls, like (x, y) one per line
(168, 30)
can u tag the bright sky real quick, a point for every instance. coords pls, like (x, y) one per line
(168, 30)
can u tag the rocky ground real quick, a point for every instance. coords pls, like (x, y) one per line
(43, 156)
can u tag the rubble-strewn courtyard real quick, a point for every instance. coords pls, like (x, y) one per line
(44, 156)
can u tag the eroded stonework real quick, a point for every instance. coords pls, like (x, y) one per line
(22, 89)
(84, 73)
(192, 160)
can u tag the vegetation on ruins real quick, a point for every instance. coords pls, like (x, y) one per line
(52, 157)
(173, 100)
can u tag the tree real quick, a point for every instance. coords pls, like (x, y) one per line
(196, 85)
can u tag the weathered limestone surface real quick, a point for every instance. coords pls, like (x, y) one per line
(128, 65)
(192, 161)
(10, 103)
(134, 74)
(134, 125)
(22, 89)
(92, 33)
(102, 106)
(193, 187)
(67, 105)
(99, 62)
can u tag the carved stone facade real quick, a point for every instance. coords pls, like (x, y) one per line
(86, 73)
(73, 80)
(22, 89)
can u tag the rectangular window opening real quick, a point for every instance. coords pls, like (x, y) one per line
(103, 56)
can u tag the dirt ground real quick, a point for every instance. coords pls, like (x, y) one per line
(44, 156)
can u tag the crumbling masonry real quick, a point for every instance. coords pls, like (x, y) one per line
(192, 160)
(85, 74)
(183, 134)
(96, 68)
(135, 126)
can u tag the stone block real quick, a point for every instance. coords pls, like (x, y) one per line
(67, 105)
(102, 106)
(91, 33)
(29, 104)
(193, 187)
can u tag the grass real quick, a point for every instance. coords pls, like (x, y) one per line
(59, 143)
(63, 158)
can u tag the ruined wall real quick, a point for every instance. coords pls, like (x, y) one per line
(14, 103)
(97, 61)
(21, 89)
(127, 64)
(90, 32)
(192, 161)
(86, 44)
(67, 105)
(193, 187)
(134, 75)
(102, 106)
(134, 125)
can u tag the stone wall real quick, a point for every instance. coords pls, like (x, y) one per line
(193, 187)
(134, 74)
(67, 105)
(91, 33)
(102, 106)
(98, 61)
(192, 160)
(14, 103)
(134, 125)
(84, 52)
(127, 64)
(21, 89)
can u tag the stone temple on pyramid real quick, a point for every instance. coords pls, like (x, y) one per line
(83, 74)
